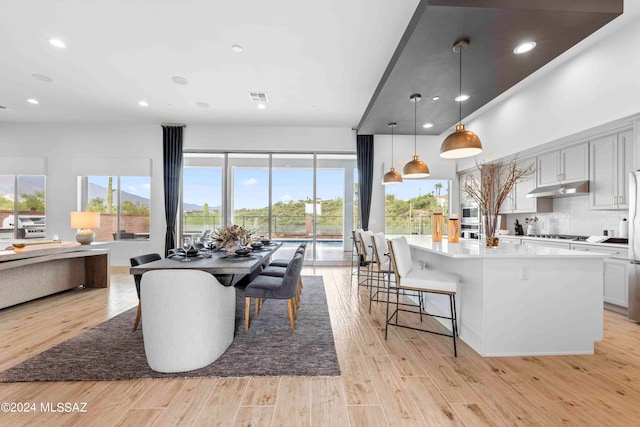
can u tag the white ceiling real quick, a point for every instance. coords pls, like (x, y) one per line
(319, 62)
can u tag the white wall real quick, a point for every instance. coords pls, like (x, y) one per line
(594, 83)
(64, 145)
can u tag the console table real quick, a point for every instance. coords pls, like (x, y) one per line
(32, 274)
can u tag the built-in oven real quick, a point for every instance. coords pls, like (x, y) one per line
(470, 221)
(470, 214)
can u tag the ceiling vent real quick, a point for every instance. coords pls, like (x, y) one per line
(258, 96)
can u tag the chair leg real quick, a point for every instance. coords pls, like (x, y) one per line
(257, 309)
(290, 307)
(247, 310)
(135, 324)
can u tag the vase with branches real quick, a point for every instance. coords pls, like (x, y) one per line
(490, 191)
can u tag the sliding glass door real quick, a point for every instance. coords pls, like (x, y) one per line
(289, 197)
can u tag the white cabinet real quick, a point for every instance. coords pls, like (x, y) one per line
(513, 240)
(518, 202)
(616, 282)
(611, 162)
(570, 164)
(616, 273)
(547, 243)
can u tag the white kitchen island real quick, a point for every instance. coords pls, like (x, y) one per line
(518, 300)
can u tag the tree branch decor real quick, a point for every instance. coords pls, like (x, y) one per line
(497, 180)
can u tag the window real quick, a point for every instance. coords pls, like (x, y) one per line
(22, 197)
(409, 206)
(201, 193)
(289, 197)
(123, 203)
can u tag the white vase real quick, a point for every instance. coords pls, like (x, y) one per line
(532, 229)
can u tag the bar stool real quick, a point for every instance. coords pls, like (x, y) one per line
(366, 250)
(421, 281)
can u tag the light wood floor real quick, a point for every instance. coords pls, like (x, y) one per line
(412, 379)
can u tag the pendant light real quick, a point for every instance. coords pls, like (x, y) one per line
(462, 142)
(392, 177)
(416, 168)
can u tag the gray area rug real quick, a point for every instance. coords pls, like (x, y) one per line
(112, 351)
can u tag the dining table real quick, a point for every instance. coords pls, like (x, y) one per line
(229, 269)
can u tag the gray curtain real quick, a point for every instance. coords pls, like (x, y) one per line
(172, 162)
(364, 155)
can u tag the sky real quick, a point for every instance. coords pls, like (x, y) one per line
(251, 186)
(138, 185)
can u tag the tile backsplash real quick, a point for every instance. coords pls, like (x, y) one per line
(572, 215)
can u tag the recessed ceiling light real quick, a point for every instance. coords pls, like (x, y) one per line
(462, 97)
(180, 80)
(143, 103)
(524, 47)
(435, 98)
(42, 78)
(262, 106)
(202, 104)
(427, 125)
(58, 43)
(236, 48)
(33, 101)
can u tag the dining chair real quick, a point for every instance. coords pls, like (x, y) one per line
(285, 262)
(424, 281)
(188, 319)
(136, 261)
(272, 287)
(279, 268)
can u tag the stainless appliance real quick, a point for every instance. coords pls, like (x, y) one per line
(29, 226)
(568, 237)
(561, 190)
(470, 221)
(633, 311)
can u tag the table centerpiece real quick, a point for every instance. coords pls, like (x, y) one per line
(231, 237)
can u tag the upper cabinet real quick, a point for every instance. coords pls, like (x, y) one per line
(611, 162)
(569, 164)
(518, 202)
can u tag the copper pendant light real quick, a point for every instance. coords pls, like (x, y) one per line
(462, 142)
(392, 177)
(416, 168)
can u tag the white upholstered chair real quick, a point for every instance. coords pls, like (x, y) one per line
(421, 281)
(188, 319)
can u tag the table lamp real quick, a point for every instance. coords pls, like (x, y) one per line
(85, 221)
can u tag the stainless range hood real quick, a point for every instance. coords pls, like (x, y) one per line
(561, 190)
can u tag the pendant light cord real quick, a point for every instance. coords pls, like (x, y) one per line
(415, 127)
(460, 92)
(392, 145)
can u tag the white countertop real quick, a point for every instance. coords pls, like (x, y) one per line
(573, 242)
(469, 248)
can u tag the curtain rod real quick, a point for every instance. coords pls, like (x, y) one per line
(165, 125)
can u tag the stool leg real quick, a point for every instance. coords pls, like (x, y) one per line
(454, 328)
